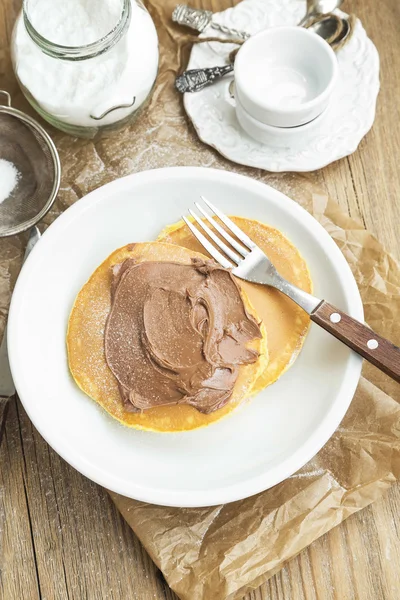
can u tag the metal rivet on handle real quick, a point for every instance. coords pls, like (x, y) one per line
(372, 344)
(335, 318)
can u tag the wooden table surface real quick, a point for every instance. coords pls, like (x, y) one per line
(60, 535)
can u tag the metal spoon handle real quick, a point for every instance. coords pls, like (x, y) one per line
(230, 31)
(199, 19)
(195, 80)
(305, 19)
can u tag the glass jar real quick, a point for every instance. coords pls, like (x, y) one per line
(87, 67)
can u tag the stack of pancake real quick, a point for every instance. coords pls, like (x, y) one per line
(165, 340)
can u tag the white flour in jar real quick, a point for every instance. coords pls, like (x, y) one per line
(9, 176)
(74, 22)
(71, 91)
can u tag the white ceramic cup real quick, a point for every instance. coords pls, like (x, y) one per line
(284, 76)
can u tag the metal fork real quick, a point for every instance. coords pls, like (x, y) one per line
(247, 261)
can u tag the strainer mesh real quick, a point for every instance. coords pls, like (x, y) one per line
(29, 151)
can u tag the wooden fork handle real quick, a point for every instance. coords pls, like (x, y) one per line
(360, 338)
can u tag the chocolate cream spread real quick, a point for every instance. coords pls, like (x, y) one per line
(177, 334)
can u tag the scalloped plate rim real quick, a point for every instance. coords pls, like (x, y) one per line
(281, 164)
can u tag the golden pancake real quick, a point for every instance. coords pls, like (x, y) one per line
(286, 323)
(85, 344)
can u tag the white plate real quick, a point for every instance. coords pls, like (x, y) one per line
(264, 441)
(348, 118)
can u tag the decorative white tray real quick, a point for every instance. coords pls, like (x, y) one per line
(347, 120)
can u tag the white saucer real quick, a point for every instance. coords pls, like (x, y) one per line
(347, 120)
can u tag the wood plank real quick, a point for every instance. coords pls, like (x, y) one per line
(368, 181)
(18, 560)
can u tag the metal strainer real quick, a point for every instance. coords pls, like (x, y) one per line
(26, 144)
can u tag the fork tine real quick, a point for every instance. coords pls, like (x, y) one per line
(243, 251)
(230, 225)
(220, 244)
(211, 249)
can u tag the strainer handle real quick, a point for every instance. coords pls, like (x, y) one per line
(7, 95)
(7, 388)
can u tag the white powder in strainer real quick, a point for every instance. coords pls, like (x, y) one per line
(9, 176)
